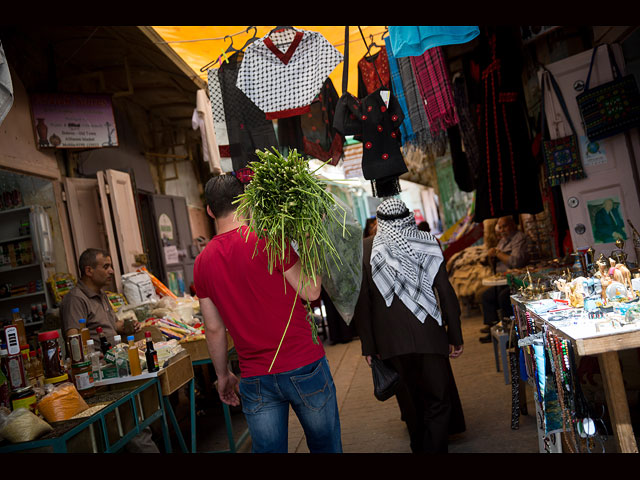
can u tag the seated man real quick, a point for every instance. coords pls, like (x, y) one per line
(511, 252)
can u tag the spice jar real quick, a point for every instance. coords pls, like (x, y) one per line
(25, 398)
(51, 357)
(83, 379)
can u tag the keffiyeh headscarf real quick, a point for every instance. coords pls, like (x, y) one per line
(405, 260)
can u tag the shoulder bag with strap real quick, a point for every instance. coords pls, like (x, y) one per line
(561, 155)
(612, 107)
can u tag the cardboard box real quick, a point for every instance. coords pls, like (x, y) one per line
(198, 349)
(156, 334)
(176, 374)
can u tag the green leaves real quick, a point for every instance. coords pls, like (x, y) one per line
(285, 203)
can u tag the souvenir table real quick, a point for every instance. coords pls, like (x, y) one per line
(602, 337)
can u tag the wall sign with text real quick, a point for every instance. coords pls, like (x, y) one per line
(73, 120)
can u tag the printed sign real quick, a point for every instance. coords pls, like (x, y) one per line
(73, 120)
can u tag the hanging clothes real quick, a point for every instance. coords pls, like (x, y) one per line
(321, 139)
(6, 87)
(247, 127)
(313, 133)
(508, 182)
(467, 124)
(412, 41)
(434, 85)
(203, 120)
(398, 90)
(415, 107)
(377, 123)
(371, 70)
(219, 120)
(285, 83)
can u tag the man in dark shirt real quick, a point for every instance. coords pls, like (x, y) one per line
(397, 320)
(511, 252)
(89, 301)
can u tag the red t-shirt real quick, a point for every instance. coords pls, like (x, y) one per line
(254, 304)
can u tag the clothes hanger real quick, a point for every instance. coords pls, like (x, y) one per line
(252, 39)
(279, 28)
(220, 58)
(280, 45)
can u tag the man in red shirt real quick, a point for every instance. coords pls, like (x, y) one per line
(238, 293)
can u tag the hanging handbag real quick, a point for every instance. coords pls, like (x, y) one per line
(561, 155)
(385, 379)
(612, 107)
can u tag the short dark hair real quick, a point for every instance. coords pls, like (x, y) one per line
(424, 226)
(89, 258)
(220, 192)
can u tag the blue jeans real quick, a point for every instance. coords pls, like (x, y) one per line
(312, 394)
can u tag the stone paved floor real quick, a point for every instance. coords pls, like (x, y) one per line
(371, 426)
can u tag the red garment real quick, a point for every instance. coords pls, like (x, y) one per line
(368, 78)
(254, 305)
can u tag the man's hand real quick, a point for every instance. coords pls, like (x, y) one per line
(228, 388)
(492, 252)
(369, 357)
(455, 350)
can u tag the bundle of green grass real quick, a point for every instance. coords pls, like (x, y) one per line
(286, 203)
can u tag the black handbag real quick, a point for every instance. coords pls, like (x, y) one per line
(561, 155)
(612, 107)
(385, 379)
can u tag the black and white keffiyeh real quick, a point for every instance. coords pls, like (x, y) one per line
(405, 260)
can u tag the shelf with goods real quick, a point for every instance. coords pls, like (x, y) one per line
(23, 272)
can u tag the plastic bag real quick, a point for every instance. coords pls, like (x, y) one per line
(62, 403)
(343, 280)
(22, 425)
(138, 288)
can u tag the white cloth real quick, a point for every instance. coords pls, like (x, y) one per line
(405, 261)
(202, 120)
(282, 73)
(6, 87)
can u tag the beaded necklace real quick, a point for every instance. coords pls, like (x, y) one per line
(557, 348)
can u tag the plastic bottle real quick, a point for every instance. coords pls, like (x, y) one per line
(134, 359)
(104, 343)
(94, 357)
(151, 354)
(86, 335)
(121, 357)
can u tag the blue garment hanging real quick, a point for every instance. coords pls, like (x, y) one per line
(406, 129)
(413, 41)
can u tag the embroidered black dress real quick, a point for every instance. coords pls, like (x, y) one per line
(377, 126)
(508, 181)
(247, 126)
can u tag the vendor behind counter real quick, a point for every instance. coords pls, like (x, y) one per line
(89, 301)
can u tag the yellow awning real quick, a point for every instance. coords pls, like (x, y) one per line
(199, 45)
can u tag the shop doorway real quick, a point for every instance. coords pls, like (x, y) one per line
(171, 250)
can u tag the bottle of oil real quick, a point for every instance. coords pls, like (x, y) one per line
(134, 359)
(18, 321)
(86, 335)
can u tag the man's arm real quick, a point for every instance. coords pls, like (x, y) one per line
(216, 335)
(313, 288)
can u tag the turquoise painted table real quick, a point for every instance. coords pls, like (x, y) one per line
(65, 431)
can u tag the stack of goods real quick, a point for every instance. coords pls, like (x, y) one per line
(466, 270)
(60, 284)
(16, 253)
